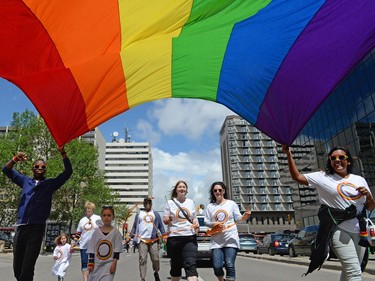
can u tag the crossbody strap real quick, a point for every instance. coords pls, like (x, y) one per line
(183, 211)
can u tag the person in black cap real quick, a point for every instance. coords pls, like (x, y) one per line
(146, 232)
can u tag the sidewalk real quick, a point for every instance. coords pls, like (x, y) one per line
(301, 260)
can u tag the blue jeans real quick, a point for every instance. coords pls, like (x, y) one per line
(224, 257)
(345, 246)
(84, 259)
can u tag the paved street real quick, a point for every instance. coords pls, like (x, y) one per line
(249, 267)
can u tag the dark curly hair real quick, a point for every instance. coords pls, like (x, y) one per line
(329, 168)
(212, 195)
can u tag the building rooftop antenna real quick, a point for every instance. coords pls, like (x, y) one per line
(127, 134)
(114, 136)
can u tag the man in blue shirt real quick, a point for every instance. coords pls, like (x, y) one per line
(34, 208)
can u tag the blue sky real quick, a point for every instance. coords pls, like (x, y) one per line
(184, 136)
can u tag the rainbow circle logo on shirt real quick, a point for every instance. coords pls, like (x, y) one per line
(180, 215)
(88, 226)
(148, 218)
(221, 216)
(104, 250)
(348, 191)
(59, 254)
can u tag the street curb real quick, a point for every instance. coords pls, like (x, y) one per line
(326, 265)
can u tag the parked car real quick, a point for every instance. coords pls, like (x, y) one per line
(301, 244)
(248, 243)
(275, 243)
(7, 239)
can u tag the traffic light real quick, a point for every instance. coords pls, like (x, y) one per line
(289, 218)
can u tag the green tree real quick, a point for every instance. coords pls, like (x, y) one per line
(30, 134)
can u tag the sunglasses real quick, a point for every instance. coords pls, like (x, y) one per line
(218, 190)
(43, 167)
(339, 157)
(107, 207)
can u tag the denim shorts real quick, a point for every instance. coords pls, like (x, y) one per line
(84, 259)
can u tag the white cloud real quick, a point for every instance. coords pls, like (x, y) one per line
(146, 132)
(191, 118)
(198, 170)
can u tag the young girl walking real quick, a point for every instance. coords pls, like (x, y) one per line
(62, 255)
(104, 248)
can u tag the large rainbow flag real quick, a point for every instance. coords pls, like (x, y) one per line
(271, 61)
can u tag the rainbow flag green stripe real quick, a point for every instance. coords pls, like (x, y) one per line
(198, 53)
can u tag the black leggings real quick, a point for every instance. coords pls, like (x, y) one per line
(182, 250)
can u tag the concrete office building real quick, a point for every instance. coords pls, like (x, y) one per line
(251, 170)
(128, 170)
(96, 138)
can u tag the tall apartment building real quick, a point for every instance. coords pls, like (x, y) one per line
(250, 166)
(128, 170)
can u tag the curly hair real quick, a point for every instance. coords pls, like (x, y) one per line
(329, 168)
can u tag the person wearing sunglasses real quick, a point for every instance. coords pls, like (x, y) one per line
(344, 198)
(34, 208)
(221, 215)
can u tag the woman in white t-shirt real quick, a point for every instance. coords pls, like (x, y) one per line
(180, 216)
(221, 215)
(338, 189)
(85, 229)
